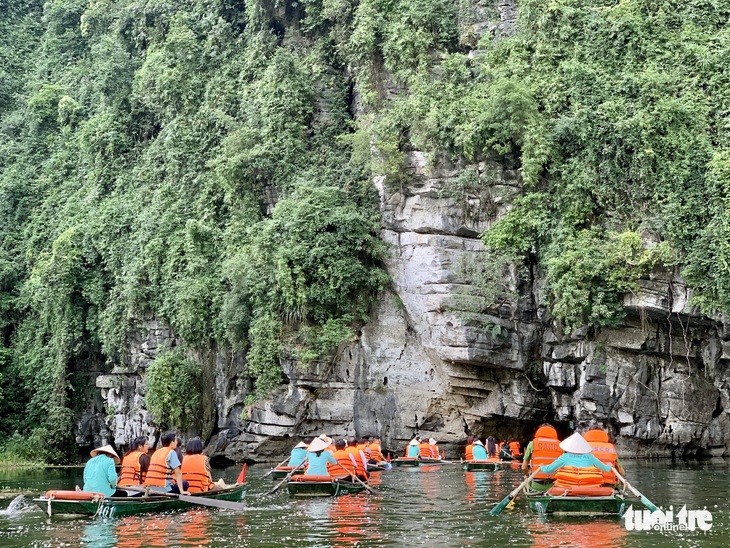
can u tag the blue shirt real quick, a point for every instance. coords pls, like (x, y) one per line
(173, 461)
(414, 451)
(318, 463)
(298, 456)
(579, 461)
(100, 475)
(479, 452)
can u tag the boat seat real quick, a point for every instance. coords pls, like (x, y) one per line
(74, 495)
(286, 468)
(580, 491)
(317, 479)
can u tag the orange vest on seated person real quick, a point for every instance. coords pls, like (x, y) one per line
(469, 451)
(425, 450)
(604, 451)
(344, 460)
(514, 447)
(572, 476)
(375, 452)
(545, 449)
(131, 470)
(158, 472)
(195, 473)
(361, 469)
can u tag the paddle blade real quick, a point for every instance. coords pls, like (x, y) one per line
(242, 476)
(646, 502)
(213, 503)
(501, 506)
(387, 457)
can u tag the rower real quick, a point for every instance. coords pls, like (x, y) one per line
(318, 458)
(479, 452)
(605, 451)
(413, 449)
(299, 453)
(542, 450)
(504, 451)
(577, 466)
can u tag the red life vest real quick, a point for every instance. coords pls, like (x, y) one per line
(604, 451)
(195, 473)
(514, 447)
(345, 460)
(571, 476)
(158, 472)
(469, 452)
(425, 450)
(361, 469)
(131, 470)
(545, 449)
(375, 451)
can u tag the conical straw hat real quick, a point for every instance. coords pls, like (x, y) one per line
(576, 444)
(318, 445)
(413, 442)
(107, 450)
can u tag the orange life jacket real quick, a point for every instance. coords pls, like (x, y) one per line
(604, 451)
(545, 449)
(375, 452)
(361, 469)
(514, 447)
(425, 450)
(345, 460)
(571, 476)
(195, 473)
(158, 472)
(131, 470)
(470, 452)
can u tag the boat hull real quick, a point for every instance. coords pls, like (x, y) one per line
(281, 473)
(472, 466)
(331, 488)
(614, 505)
(128, 506)
(407, 461)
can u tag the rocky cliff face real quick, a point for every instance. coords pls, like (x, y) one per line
(657, 381)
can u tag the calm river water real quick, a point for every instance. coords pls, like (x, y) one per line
(438, 506)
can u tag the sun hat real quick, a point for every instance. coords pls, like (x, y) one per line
(576, 444)
(432, 441)
(301, 444)
(478, 442)
(413, 442)
(318, 445)
(107, 450)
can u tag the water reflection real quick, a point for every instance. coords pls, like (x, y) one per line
(602, 533)
(477, 486)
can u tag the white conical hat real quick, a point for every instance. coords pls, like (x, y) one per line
(432, 441)
(301, 444)
(478, 442)
(576, 444)
(413, 442)
(107, 450)
(318, 445)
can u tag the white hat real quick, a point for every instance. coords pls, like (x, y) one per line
(318, 445)
(107, 450)
(432, 441)
(576, 444)
(301, 444)
(413, 442)
(478, 442)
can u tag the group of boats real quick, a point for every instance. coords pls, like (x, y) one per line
(603, 501)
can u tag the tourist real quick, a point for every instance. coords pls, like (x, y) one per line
(469, 449)
(135, 463)
(435, 454)
(317, 458)
(605, 451)
(577, 466)
(542, 450)
(515, 449)
(100, 476)
(165, 466)
(299, 453)
(376, 452)
(195, 468)
(504, 451)
(492, 451)
(361, 459)
(346, 464)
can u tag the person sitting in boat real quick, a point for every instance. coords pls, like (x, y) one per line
(492, 449)
(504, 451)
(135, 464)
(318, 457)
(361, 459)
(196, 468)
(469, 449)
(376, 452)
(478, 450)
(577, 466)
(515, 449)
(413, 449)
(299, 453)
(605, 451)
(435, 454)
(100, 476)
(164, 465)
(424, 449)
(346, 465)
(542, 450)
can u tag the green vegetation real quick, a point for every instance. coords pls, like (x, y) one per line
(172, 390)
(200, 162)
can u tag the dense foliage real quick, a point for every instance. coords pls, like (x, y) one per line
(144, 143)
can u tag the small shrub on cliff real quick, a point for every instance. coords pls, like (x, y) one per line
(172, 392)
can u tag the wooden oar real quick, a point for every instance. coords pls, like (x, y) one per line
(287, 478)
(275, 467)
(645, 501)
(357, 479)
(200, 501)
(506, 500)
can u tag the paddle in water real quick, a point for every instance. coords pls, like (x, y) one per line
(275, 467)
(358, 479)
(200, 501)
(506, 500)
(287, 478)
(645, 501)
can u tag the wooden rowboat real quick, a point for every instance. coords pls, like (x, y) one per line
(609, 503)
(280, 472)
(407, 461)
(428, 461)
(322, 486)
(487, 465)
(379, 467)
(82, 503)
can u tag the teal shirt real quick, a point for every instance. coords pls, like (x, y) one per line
(318, 464)
(479, 452)
(298, 456)
(414, 451)
(579, 461)
(100, 475)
